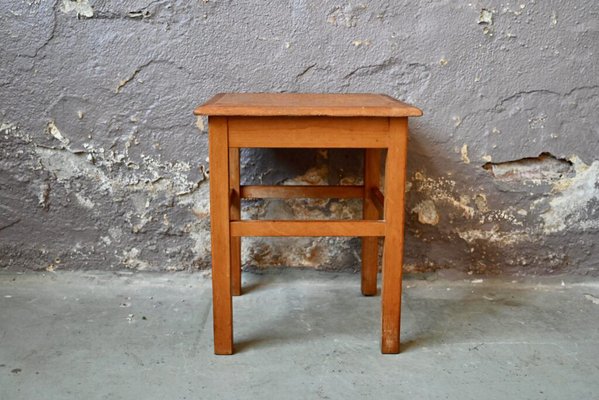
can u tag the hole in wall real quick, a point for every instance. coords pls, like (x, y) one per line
(545, 167)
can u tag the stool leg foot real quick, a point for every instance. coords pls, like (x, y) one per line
(222, 302)
(395, 176)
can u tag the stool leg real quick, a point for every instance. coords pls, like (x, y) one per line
(370, 245)
(222, 302)
(395, 176)
(235, 215)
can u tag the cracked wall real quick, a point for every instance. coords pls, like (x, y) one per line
(103, 165)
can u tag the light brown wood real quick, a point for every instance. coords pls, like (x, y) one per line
(221, 248)
(370, 245)
(301, 192)
(373, 122)
(235, 215)
(303, 104)
(379, 200)
(395, 177)
(308, 132)
(307, 228)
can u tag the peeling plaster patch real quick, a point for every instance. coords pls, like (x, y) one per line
(345, 16)
(198, 199)
(81, 7)
(313, 176)
(154, 182)
(201, 124)
(481, 202)
(534, 170)
(313, 208)
(485, 17)
(344, 210)
(53, 130)
(359, 42)
(593, 299)
(312, 256)
(84, 201)
(201, 242)
(573, 204)
(442, 190)
(130, 259)
(43, 196)
(306, 252)
(464, 154)
(66, 165)
(427, 212)
(6, 128)
(494, 236)
(553, 18)
(507, 215)
(464, 199)
(537, 122)
(115, 233)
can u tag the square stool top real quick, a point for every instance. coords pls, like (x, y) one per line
(306, 104)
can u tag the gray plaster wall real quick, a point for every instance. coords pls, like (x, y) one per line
(104, 166)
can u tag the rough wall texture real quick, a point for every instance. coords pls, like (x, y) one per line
(103, 165)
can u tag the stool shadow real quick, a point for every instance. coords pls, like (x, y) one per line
(242, 346)
(418, 342)
(252, 287)
(268, 340)
(257, 343)
(286, 330)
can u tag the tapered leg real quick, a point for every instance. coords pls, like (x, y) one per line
(235, 215)
(221, 248)
(395, 177)
(370, 246)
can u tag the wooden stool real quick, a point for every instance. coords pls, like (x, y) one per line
(284, 120)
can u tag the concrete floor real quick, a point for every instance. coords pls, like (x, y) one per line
(299, 335)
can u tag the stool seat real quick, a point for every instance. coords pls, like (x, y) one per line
(306, 104)
(374, 122)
